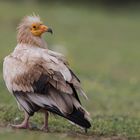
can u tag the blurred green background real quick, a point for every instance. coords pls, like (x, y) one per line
(101, 40)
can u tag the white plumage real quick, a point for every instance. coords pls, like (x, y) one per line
(41, 79)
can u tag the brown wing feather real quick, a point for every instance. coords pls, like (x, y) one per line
(34, 72)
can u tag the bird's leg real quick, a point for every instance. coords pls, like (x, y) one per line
(24, 124)
(45, 126)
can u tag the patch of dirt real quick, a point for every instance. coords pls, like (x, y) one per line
(73, 135)
(93, 137)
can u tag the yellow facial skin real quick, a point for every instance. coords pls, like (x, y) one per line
(37, 29)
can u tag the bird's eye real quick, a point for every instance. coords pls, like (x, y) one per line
(34, 26)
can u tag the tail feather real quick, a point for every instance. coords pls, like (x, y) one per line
(77, 116)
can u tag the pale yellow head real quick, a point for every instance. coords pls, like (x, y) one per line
(30, 30)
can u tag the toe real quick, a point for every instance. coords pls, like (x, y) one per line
(20, 126)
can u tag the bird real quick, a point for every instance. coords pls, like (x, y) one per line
(41, 79)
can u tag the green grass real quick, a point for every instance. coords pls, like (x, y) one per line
(103, 49)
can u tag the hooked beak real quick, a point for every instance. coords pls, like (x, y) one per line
(45, 29)
(50, 30)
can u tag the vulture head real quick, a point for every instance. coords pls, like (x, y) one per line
(30, 31)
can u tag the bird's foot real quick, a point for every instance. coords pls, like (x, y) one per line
(45, 128)
(20, 126)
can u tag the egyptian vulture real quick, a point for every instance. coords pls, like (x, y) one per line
(41, 79)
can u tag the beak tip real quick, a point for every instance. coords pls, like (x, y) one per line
(50, 30)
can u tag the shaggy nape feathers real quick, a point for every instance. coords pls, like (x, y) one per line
(25, 36)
